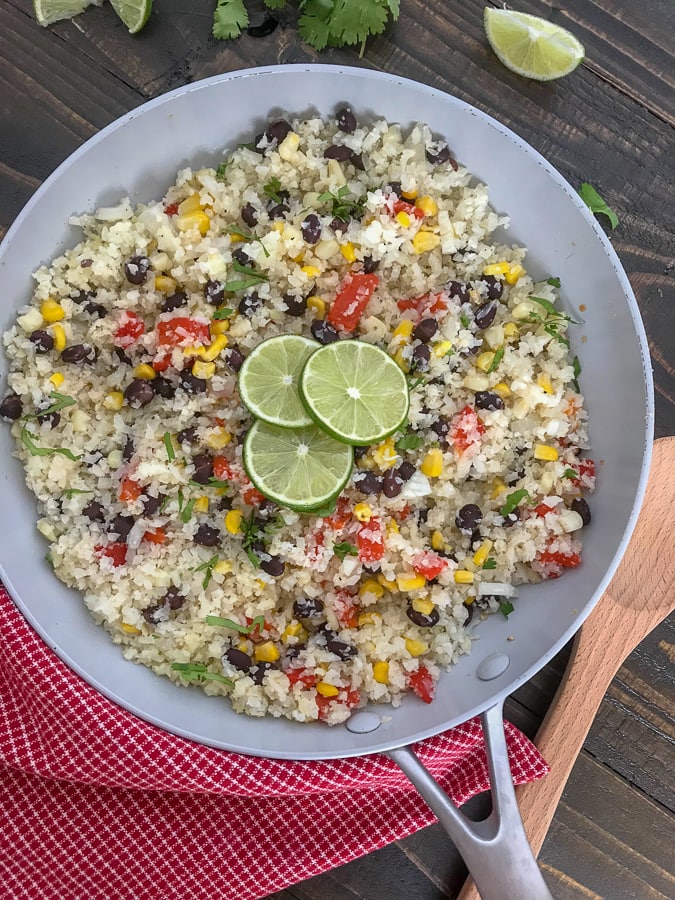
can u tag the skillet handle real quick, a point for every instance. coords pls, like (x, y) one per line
(495, 850)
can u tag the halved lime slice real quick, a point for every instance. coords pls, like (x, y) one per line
(269, 378)
(134, 13)
(49, 11)
(302, 468)
(531, 46)
(355, 391)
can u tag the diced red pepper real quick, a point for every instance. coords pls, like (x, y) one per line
(155, 536)
(129, 490)
(340, 517)
(252, 496)
(116, 551)
(586, 470)
(313, 546)
(429, 564)
(182, 332)
(427, 306)
(542, 510)
(171, 209)
(410, 208)
(353, 698)
(370, 541)
(302, 676)
(422, 684)
(346, 610)
(351, 300)
(568, 560)
(162, 362)
(402, 514)
(131, 327)
(466, 429)
(222, 469)
(350, 699)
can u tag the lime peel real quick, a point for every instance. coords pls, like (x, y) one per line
(49, 11)
(134, 13)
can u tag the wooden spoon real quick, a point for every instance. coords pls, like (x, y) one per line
(639, 597)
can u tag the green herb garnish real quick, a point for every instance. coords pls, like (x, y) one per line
(197, 672)
(552, 321)
(258, 622)
(506, 608)
(252, 278)
(168, 443)
(28, 440)
(70, 492)
(345, 549)
(554, 282)
(490, 563)
(223, 313)
(414, 382)
(49, 558)
(409, 441)
(253, 532)
(246, 236)
(570, 473)
(499, 355)
(163, 504)
(186, 512)
(221, 171)
(208, 568)
(324, 511)
(343, 206)
(464, 321)
(576, 368)
(512, 501)
(596, 204)
(271, 190)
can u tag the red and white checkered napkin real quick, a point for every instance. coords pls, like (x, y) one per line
(97, 804)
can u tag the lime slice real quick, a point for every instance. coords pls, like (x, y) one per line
(302, 468)
(269, 378)
(49, 11)
(134, 13)
(355, 391)
(531, 46)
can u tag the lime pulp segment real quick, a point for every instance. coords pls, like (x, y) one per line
(269, 377)
(301, 469)
(532, 46)
(355, 391)
(134, 13)
(49, 11)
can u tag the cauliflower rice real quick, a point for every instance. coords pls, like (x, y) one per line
(123, 400)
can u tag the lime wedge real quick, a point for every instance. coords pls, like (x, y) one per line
(49, 11)
(354, 391)
(531, 46)
(269, 378)
(134, 13)
(302, 468)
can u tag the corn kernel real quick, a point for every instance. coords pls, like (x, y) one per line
(410, 582)
(130, 629)
(289, 146)
(278, 227)
(409, 195)
(401, 361)
(500, 268)
(327, 690)
(223, 566)
(144, 370)
(317, 304)
(203, 369)
(498, 488)
(197, 219)
(432, 465)
(437, 541)
(423, 605)
(381, 671)
(190, 204)
(403, 331)
(233, 521)
(389, 585)
(57, 379)
(369, 618)
(59, 334)
(544, 383)
(482, 553)
(220, 437)
(215, 348)
(370, 586)
(51, 310)
(244, 646)
(201, 504)
(311, 271)
(542, 451)
(363, 512)
(428, 205)
(403, 219)
(476, 381)
(502, 389)
(514, 274)
(485, 360)
(165, 284)
(219, 326)
(392, 527)
(294, 629)
(267, 652)
(347, 250)
(424, 241)
(463, 576)
(326, 249)
(113, 400)
(415, 648)
(442, 348)
(385, 455)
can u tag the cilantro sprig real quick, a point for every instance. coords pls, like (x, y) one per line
(258, 622)
(240, 232)
(28, 440)
(409, 441)
(512, 501)
(254, 531)
(345, 549)
(506, 608)
(342, 206)
(552, 319)
(198, 672)
(252, 278)
(207, 567)
(596, 204)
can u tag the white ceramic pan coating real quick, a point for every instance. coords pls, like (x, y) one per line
(138, 156)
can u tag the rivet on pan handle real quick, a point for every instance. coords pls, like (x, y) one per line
(496, 850)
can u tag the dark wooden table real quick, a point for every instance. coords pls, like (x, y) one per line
(609, 123)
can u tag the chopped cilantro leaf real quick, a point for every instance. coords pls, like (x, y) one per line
(271, 190)
(570, 473)
(208, 568)
(168, 443)
(576, 368)
(553, 281)
(345, 549)
(512, 501)
(197, 672)
(229, 18)
(28, 440)
(258, 622)
(223, 313)
(464, 321)
(70, 492)
(343, 206)
(506, 608)
(499, 355)
(240, 232)
(222, 170)
(186, 513)
(409, 441)
(596, 204)
(490, 563)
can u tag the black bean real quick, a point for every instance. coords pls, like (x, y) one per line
(249, 215)
(83, 297)
(356, 160)
(174, 301)
(273, 565)
(136, 269)
(174, 598)
(250, 304)
(441, 155)
(367, 482)
(11, 407)
(214, 293)
(510, 520)
(468, 518)
(370, 265)
(339, 226)
(580, 506)
(207, 536)
(128, 449)
(163, 387)
(460, 290)
(266, 27)
(323, 331)
(234, 358)
(86, 263)
(392, 484)
(360, 451)
(311, 228)
(191, 383)
(295, 306)
(258, 671)
(294, 650)
(420, 357)
(78, 353)
(155, 613)
(440, 428)
(425, 330)
(469, 607)
(277, 208)
(424, 620)
(43, 341)
(393, 187)
(121, 525)
(406, 470)
(495, 287)
(476, 539)
(485, 314)
(225, 504)
(346, 120)
(341, 648)
(139, 393)
(308, 608)
(187, 435)
(238, 659)
(122, 356)
(94, 511)
(203, 464)
(241, 256)
(151, 504)
(340, 153)
(96, 309)
(49, 418)
(277, 130)
(488, 400)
